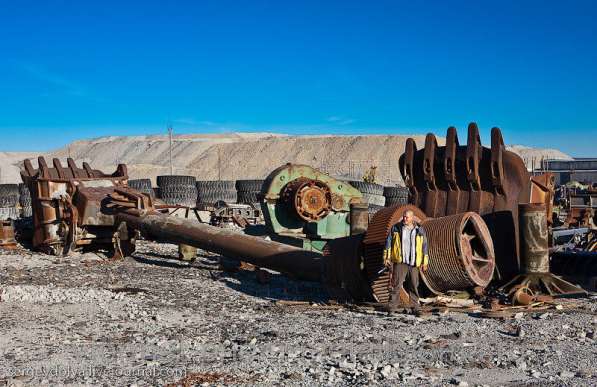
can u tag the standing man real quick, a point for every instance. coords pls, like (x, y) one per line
(405, 253)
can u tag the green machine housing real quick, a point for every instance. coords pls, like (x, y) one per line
(305, 207)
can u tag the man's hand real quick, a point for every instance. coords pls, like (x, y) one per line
(424, 267)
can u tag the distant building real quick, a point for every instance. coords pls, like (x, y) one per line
(578, 169)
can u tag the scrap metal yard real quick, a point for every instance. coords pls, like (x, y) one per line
(285, 280)
(317, 193)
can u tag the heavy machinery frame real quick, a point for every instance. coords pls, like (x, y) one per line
(69, 210)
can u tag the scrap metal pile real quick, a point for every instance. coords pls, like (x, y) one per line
(576, 205)
(70, 210)
(487, 220)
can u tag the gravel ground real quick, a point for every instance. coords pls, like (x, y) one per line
(152, 320)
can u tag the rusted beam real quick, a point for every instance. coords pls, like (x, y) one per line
(298, 263)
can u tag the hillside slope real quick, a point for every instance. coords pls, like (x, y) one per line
(244, 155)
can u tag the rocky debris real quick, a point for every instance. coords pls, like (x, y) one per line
(54, 295)
(154, 320)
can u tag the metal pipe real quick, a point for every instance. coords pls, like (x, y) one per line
(534, 242)
(297, 263)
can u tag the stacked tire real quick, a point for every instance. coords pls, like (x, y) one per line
(372, 193)
(9, 198)
(156, 192)
(395, 196)
(178, 190)
(248, 191)
(142, 185)
(25, 201)
(211, 191)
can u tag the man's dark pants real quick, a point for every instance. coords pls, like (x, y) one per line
(401, 272)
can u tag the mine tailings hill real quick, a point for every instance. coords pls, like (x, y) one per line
(232, 156)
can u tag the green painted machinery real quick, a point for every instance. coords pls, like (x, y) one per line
(305, 207)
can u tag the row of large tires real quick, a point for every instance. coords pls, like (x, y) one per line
(212, 191)
(15, 201)
(248, 191)
(142, 185)
(9, 195)
(379, 196)
(187, 191)
(25, 201)
(372, 193)
(395, 196)
(178, 190)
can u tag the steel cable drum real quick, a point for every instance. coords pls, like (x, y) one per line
(461, 253)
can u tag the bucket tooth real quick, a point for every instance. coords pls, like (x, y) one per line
(473, 158)
(453, 195)
(44, 171)
(58, 167)
(88, 169)
(29, 168)
(73, 168)
(431, 199)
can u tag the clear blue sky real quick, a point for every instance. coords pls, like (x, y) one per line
(301, 67)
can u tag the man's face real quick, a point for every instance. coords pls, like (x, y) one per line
(407, 218)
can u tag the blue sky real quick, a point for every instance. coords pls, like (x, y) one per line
(382, 67)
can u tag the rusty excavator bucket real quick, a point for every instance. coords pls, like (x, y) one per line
(452, 179)
(494, 183)
(68, 206)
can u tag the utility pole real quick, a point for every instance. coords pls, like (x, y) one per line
(170, 136)
(219, 165)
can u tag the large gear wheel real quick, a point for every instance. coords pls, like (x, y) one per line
(310, 199)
